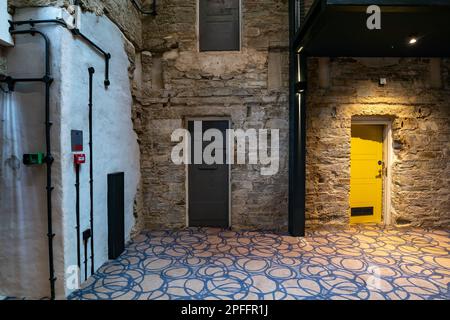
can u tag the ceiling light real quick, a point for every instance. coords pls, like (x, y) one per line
(412, 40)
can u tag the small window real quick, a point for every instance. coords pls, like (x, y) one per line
(219, 25)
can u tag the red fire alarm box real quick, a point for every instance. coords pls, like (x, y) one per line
(79, 158)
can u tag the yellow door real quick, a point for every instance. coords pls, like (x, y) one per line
(366, 181)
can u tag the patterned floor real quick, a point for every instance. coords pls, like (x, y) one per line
(355, 263)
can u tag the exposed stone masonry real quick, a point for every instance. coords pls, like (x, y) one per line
(3, 69)
(250, 87)
(420, 115)
(237, 85)
(121, 12)
(172, 81)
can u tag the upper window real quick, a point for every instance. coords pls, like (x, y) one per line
(219, 25)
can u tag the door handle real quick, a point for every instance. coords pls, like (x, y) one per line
(383, 169)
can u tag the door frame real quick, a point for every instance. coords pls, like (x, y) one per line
(388, 154)
(186, 167)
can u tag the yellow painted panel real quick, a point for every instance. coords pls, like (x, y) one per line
(366, 181)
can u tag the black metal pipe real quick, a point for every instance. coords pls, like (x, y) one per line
(11, 82)
(139, 8)
(106, 55)
(75, 32)
(14, 80)
(91, 71)
(85, 241)
(32, 23)
(47, 79)
(297, 129)
(77, 212)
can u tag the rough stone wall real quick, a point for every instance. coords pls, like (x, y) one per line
(249, 87)
(420, 114)
(2, 63)
(121, 12)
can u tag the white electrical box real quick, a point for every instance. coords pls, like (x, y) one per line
(5, 37)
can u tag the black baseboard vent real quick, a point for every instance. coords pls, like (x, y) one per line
(363, 211)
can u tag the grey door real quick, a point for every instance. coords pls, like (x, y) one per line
(208, 184)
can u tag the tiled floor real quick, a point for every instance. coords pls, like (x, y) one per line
(355, 263)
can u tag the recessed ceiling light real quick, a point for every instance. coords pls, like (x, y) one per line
(412, 40)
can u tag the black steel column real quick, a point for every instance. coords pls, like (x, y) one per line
(297, 129)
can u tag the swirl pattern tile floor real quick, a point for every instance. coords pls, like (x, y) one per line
(355, 263)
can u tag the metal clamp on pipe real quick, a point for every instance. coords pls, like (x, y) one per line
(47, 79)
(75, 32)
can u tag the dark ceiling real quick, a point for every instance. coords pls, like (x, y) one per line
(338, 28)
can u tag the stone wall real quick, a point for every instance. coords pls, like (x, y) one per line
(3, 70)
(249, 87)
(417, 101)
(121, 12)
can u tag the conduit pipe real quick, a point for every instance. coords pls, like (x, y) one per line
(91, 167)
(47, 80)
(49, 159)
(75, 32)
(77, 212)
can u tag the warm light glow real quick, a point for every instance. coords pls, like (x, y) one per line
(412, 40)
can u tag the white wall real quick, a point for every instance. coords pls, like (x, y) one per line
(5, 37)
(23, 209)
(23, 242)
(115, 142)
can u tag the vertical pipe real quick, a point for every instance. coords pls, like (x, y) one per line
(77, 212)
(47, 79)
(107, 60)
(49, 160)
(85, 258)
(91, 168)
(297, 122)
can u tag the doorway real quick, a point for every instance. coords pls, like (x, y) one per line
(208, 184)
(369, 172)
